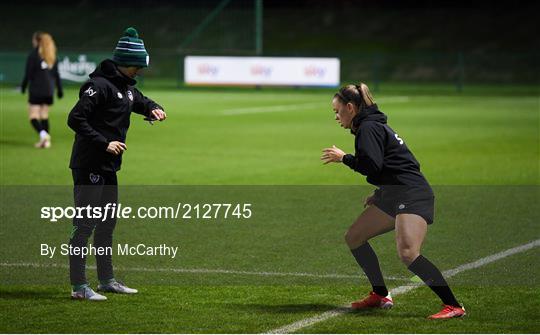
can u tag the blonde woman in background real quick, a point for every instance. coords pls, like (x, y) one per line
(41, 75)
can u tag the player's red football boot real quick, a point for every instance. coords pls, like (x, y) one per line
(373, 300)
(449, 312)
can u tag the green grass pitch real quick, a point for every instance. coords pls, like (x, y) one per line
(289, 262)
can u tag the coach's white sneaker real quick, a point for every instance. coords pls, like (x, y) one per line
(86, 293)
(116, 287)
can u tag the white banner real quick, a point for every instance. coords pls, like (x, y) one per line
(287, 71)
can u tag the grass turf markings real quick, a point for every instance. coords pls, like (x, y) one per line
(293, 327)
(219, 271)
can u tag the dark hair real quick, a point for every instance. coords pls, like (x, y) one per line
(358, 95)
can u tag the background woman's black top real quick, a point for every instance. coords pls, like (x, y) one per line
(41, 78)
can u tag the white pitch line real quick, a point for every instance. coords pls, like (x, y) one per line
(285, 108)
(293, 327)
(219, 271)
(269, 109)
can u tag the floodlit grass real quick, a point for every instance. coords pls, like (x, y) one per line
(480, 151)
(275, 137)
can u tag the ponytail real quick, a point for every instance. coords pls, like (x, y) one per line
(358, 95)
(366, 95)
(46, 48)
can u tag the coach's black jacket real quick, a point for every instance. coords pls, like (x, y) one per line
(380, 154)
(102, 114)
(42, 79)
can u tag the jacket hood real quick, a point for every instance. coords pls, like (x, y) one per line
(109, 70)
(371, 113)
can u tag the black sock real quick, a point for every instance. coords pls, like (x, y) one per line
(45, 125)
(36, 124)
(367, 259)
(433, 278)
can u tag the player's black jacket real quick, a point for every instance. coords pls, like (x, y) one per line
(380, 154)
(42, 79)
(102, 115)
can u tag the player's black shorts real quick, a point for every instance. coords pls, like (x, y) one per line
(394, 200)
(33, 100)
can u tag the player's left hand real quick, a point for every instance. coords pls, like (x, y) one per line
(332, 155)
(158, 115)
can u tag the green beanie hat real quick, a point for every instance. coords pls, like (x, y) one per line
(130, 50)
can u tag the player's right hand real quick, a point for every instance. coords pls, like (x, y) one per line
(116, 148)
(333, 154)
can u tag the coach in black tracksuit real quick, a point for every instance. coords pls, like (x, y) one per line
(101, 120)
(403, 201)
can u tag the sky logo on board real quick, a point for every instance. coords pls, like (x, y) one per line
(208, 69)
(314, 71)
(261, 70)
